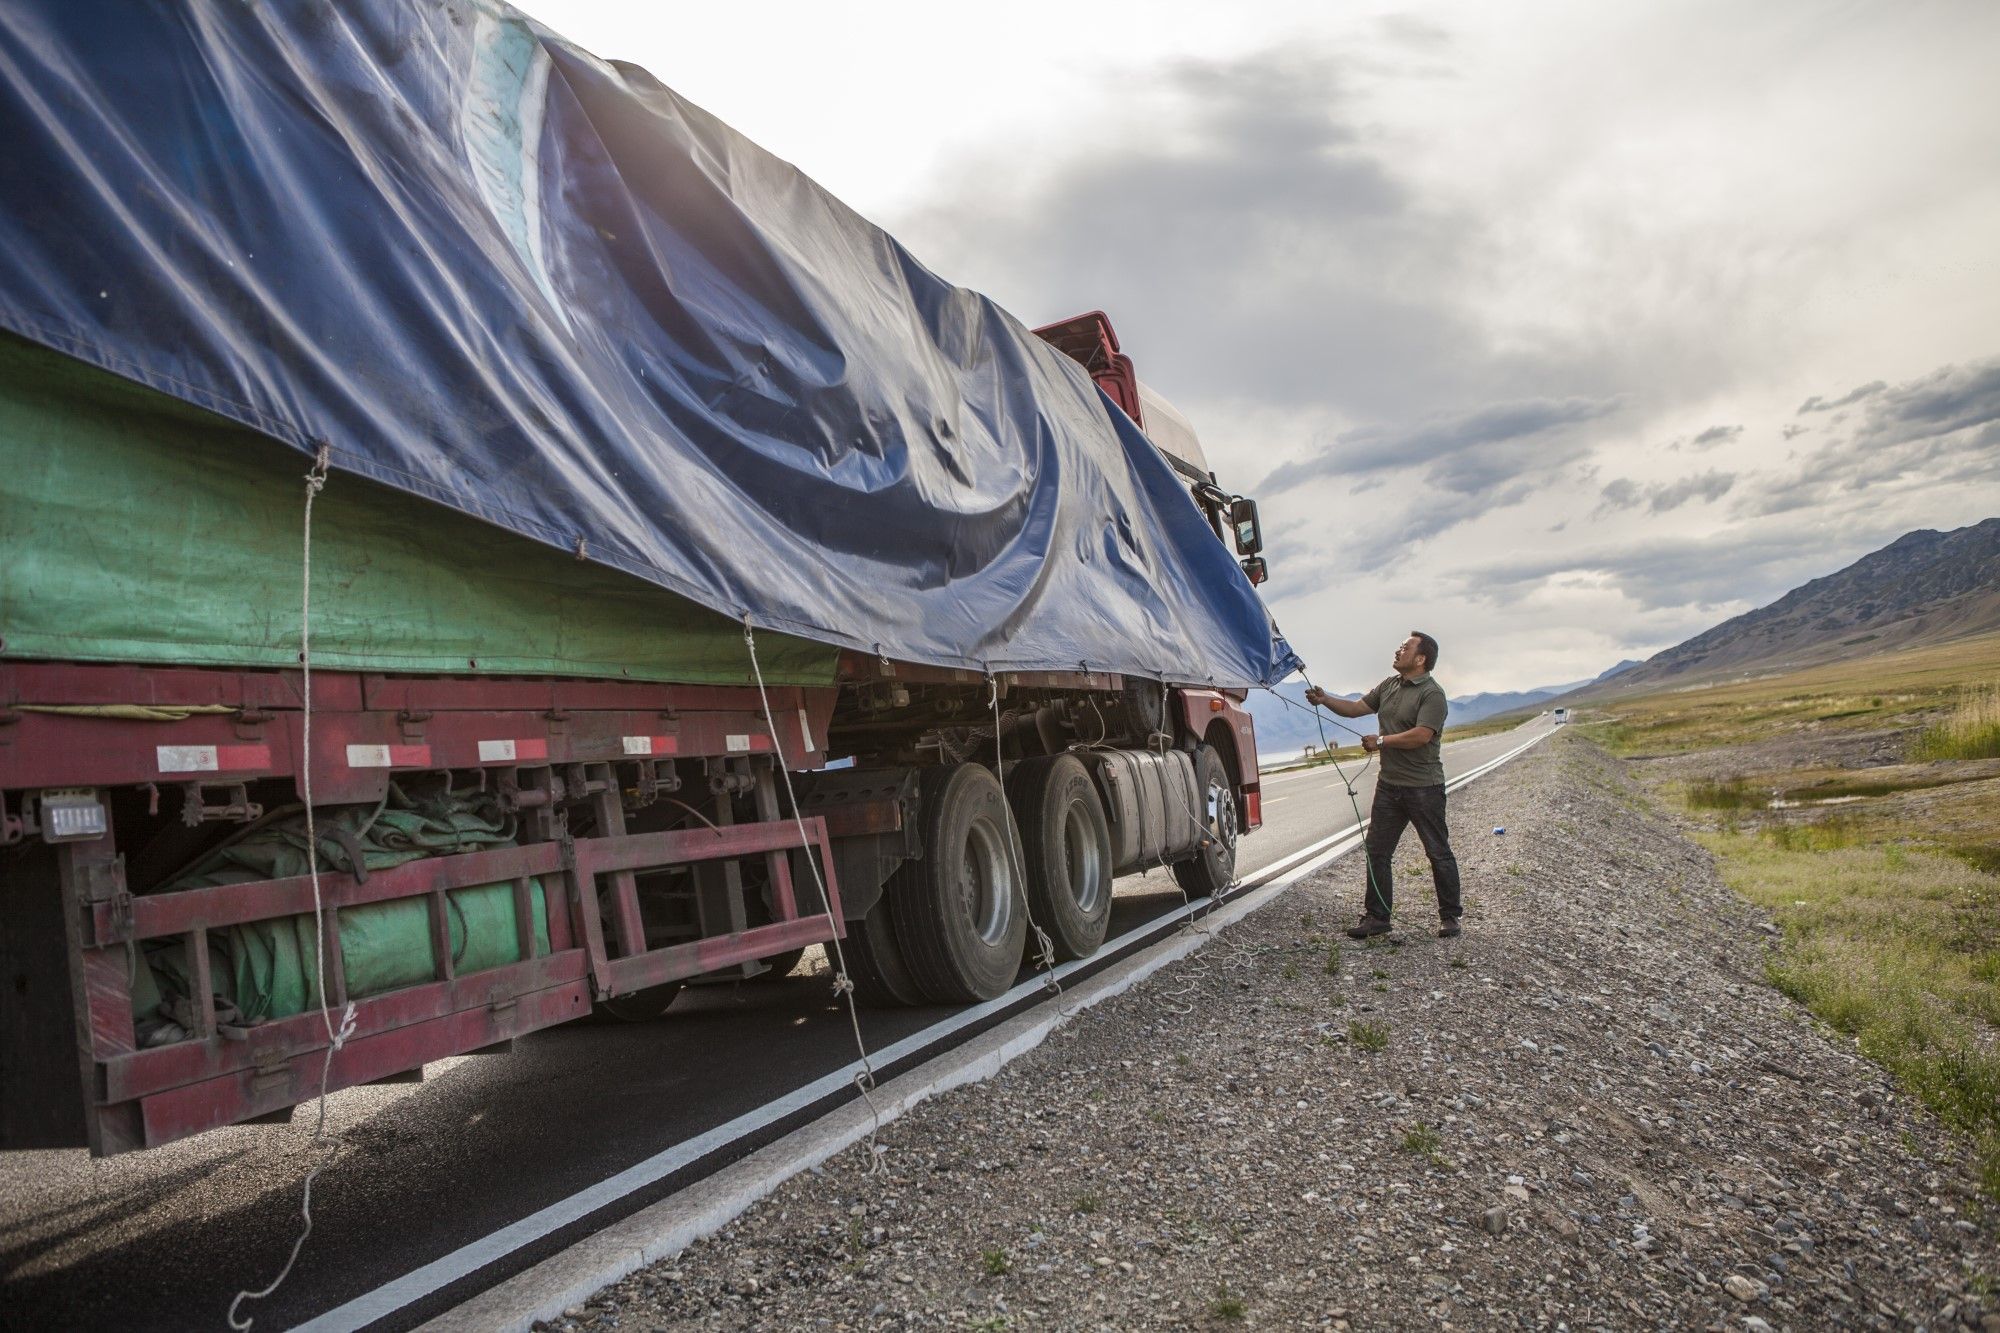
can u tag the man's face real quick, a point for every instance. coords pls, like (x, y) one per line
(1409, 654)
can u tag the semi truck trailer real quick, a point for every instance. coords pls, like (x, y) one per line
(682, 582)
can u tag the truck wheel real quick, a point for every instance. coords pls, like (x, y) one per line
(779, 966)
(1213, 868)
(958, 911)
(875, 961)
(641, 1006)
(1067, 851)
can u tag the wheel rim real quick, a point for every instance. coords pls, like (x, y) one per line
(987, 886)
(1084, 857)
(1225, 818)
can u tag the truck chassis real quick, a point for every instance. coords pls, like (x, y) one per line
(654, 819)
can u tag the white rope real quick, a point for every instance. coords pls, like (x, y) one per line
(843, 985)
(1047, 950)
(336, 1036)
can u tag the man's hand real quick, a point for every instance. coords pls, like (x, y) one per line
(1371, 742)
(1316, 696)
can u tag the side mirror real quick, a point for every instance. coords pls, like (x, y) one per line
(1257, 571)
(1243, 517)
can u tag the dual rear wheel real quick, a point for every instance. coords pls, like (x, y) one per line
(952, 926)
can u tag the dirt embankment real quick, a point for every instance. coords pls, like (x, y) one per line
(1589, 1110)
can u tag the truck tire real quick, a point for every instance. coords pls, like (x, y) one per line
(959, 912)
(875, 961)
(1066, 846)
(779, 966)
(641, 1006)
(1213, 868)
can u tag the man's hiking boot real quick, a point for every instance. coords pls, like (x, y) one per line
(1448, 928)
(1366, 927)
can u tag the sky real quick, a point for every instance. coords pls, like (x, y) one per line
(1561, 331)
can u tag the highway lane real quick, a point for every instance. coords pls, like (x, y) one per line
(163, 1239)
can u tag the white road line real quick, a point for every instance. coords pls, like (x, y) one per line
(467, 1259)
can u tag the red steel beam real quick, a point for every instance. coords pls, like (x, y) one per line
(213, 1102)
(680, 961)
(137, 1074)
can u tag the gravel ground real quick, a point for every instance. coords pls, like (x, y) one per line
(1589, 1112)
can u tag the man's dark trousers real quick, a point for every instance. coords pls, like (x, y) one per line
(1395, 809)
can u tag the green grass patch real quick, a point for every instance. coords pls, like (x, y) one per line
(1824, 835)
(1227, 1306)
(1422, 1141)
(1901, 950)
(1733, 794)
(996, 1262)
(1971, 730)
(1368, 1036)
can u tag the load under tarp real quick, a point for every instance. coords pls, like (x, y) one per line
(140, 529)
(270, 969)
(488, 269)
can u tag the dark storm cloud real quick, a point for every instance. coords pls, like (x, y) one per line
(1940, 429)
(1848, 399)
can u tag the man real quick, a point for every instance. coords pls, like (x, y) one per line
(1410, 708)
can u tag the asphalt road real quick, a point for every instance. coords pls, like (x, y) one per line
(164, 1239)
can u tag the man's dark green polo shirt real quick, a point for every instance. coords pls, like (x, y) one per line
(1398, 705)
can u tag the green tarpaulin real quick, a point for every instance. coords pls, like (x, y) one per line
(270, 969)
(135, 528)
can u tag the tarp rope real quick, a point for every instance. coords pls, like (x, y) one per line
(1043, 947)
(1353, 797)
(843, 985)
(336, 1036)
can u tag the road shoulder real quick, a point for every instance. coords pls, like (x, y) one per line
(1591, 1108)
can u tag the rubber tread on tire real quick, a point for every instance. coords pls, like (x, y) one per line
(1213, 868)
(1046, 792)
(875, 961)
(961, 809)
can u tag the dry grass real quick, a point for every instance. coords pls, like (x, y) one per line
(1899, 949)
(1889, 690)
(1970, 731)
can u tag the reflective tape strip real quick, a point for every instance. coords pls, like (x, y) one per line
(500, 752)
(645, 745)
(212, 758)
(736, 743)
(388, 756)
(188, 759)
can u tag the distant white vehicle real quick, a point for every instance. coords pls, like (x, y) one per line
(1562, 716)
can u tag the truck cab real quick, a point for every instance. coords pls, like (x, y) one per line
(1091, 342)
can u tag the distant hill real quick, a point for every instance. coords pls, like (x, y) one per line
(1924, 587)
(1282, 728)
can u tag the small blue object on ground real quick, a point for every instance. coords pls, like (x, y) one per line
(1498, 830)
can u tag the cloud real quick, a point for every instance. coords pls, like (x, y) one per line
(1460, 448)
(1741, 567)
(1662, 497)
(1715, 435)
(1848, 399)
(1709, 486)
(1935, 431)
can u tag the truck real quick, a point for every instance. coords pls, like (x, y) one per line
(307, 784)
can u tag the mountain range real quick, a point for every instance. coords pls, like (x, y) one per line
(1924, 587)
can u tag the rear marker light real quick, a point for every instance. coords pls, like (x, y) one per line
(68, 816)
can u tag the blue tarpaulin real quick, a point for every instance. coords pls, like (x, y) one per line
(483, 266)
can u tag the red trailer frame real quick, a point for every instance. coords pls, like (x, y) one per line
(541, 743)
